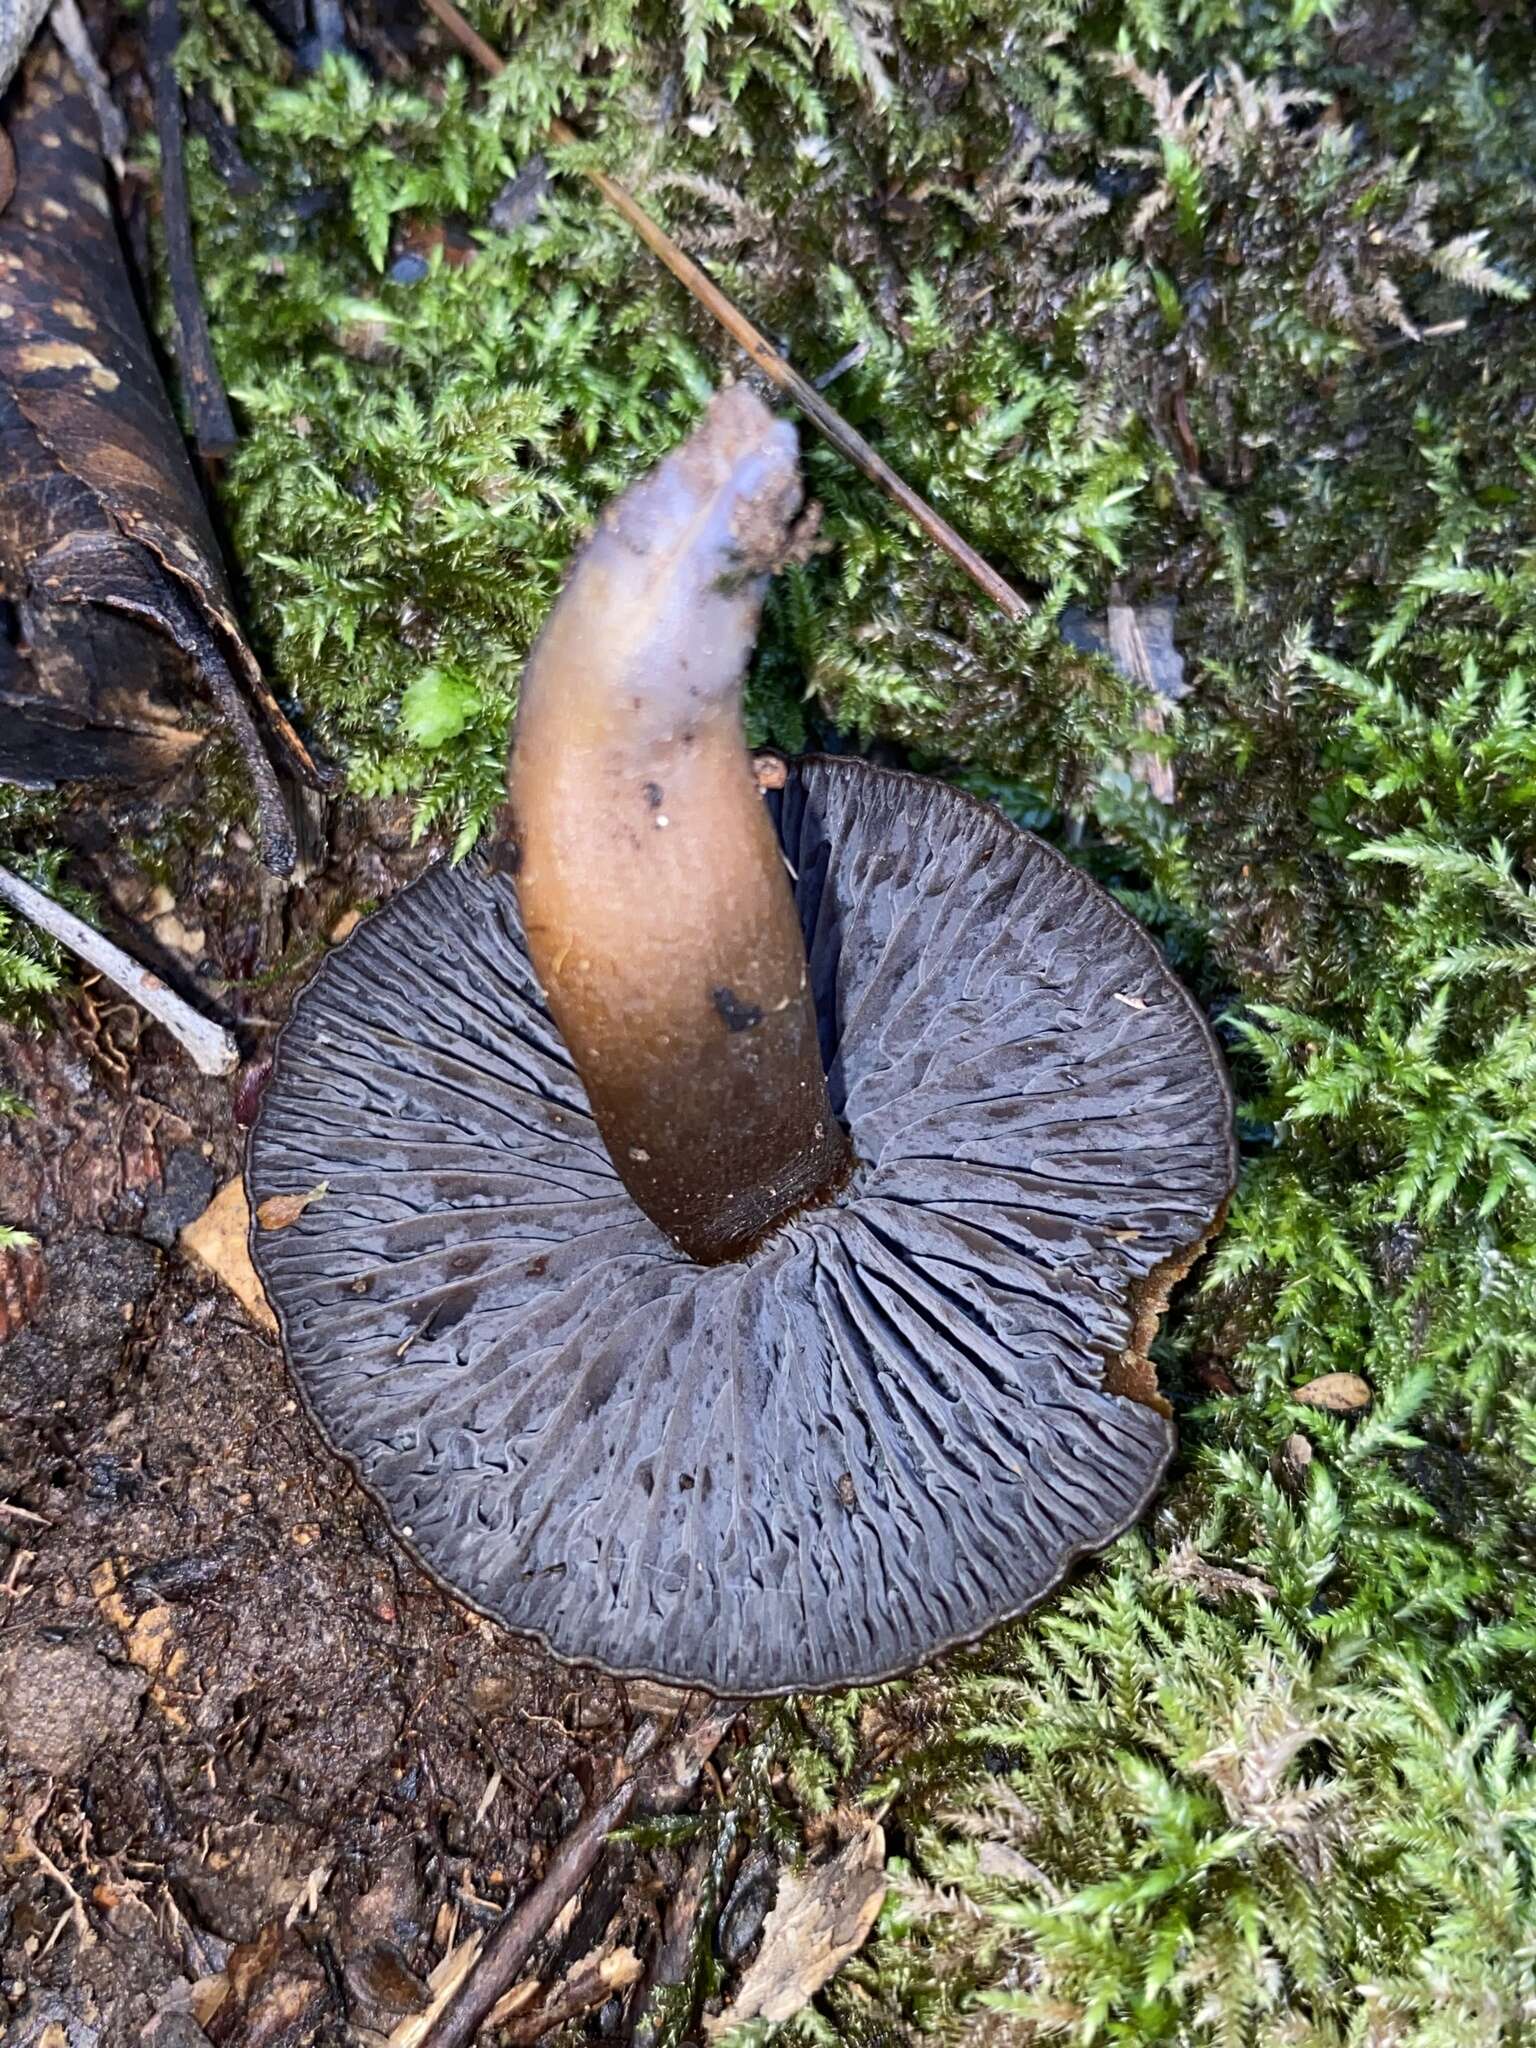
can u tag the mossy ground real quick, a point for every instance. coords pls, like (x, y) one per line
(1188, 298)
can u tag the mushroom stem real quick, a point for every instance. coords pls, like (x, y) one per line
(654, 895)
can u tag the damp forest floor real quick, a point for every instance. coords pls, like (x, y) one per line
(1199, 319)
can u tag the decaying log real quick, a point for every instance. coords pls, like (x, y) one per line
(108, 563)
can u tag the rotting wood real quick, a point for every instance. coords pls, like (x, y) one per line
(669, 1963)
(107, 557)
(590, 1983)
(775, 367)
(822, 1916)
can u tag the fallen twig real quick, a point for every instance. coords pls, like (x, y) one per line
(68, 25)
(773, 365)
(512, 1941)
(10, 1512)
(212, 422)
(213, 1050)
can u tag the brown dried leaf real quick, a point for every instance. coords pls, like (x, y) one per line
(823, 1915)
(219, 1240)
(1340, 1392)
(278, 1211)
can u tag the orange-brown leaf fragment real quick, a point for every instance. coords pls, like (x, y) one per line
(218, 1239)
(278, 1211)
(1341, 1392)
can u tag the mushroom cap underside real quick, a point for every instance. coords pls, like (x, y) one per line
(887, 1428)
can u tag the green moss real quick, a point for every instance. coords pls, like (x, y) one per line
(1179, 296)
(31, 966)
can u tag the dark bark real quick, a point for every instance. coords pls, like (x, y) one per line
(118, 604)
(212, 423)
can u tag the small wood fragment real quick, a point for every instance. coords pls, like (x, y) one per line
(512, 1941)
(68, 24)
(19, 20)
(212, 1048)
(590, 1983)
(443, 1983)
(1129, 651)
(664, 1786)
(1184, 1566)
(23, 1278)
(823, 1915)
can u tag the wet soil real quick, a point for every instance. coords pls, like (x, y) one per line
(257, 1775)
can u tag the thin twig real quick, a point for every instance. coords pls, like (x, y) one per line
(212, 422)
(512, 1941)
(10, 1512)
(850, 361)
(213, 1050)
(30, 1847)
(773, 365)
(69, 26)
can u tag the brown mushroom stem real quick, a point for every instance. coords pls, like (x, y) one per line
(657, 907)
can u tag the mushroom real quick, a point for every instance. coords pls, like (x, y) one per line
(743, 1234)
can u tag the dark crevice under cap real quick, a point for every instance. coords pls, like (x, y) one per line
(893, 1424)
